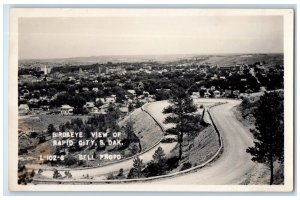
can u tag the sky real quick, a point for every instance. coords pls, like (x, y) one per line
(59, 37)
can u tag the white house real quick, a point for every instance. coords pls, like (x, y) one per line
(95, 111)
(124, 109)
(33, 100)
(23, 109)
(89, 105)
(146, 94)
(227, 93)
(66, 110)
(195, 94)
(95, 89)
(103, 109)
(46, 69)
(108, 100)
(85, 89)
(206, 94)
(217, 94)
(236, 93)
(131, 92)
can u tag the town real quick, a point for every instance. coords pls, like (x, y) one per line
(92, 89)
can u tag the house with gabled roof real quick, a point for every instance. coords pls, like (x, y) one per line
(66, 109)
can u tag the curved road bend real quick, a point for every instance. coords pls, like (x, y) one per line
(234, 162)
(230, 168)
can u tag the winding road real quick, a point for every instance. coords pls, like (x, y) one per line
(232, 166)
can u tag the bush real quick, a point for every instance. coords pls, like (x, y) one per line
(131, 174)
(22, 151)
(68, 174)
(185, 166)
(155, 169)
(24, 176)
(42, 139)
(33, 134)
(120, 175)
(70, 160)
(110, 176)
(81, 162)
(56, 174)
(137, 170)
(135, 149)
(40, 171)
(172, 162)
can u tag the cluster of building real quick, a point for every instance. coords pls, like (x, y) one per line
(99, 106)
(212, 92)
(79, 78)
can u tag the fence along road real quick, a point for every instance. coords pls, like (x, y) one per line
(234, 163)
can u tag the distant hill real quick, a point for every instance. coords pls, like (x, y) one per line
(229, 60)
(221, 60)
(113, 59)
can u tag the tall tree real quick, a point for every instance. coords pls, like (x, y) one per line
(138, 165)
(269, 131)
(51, 129)
(137, 170)
(182, 113)
(158, 165)
(129, 131)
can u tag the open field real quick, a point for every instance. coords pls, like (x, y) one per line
(41, 122)
(231, 60)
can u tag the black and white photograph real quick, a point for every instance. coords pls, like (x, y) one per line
(151, 99)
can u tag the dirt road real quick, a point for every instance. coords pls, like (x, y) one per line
(233, 164)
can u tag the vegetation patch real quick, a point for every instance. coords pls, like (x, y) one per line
(41, 122)
(199, 150)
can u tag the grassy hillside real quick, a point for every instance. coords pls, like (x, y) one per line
(41, 122)
(198, 151)
(144, 127)
(228, 60)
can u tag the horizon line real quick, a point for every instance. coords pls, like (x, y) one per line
(175, 54)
